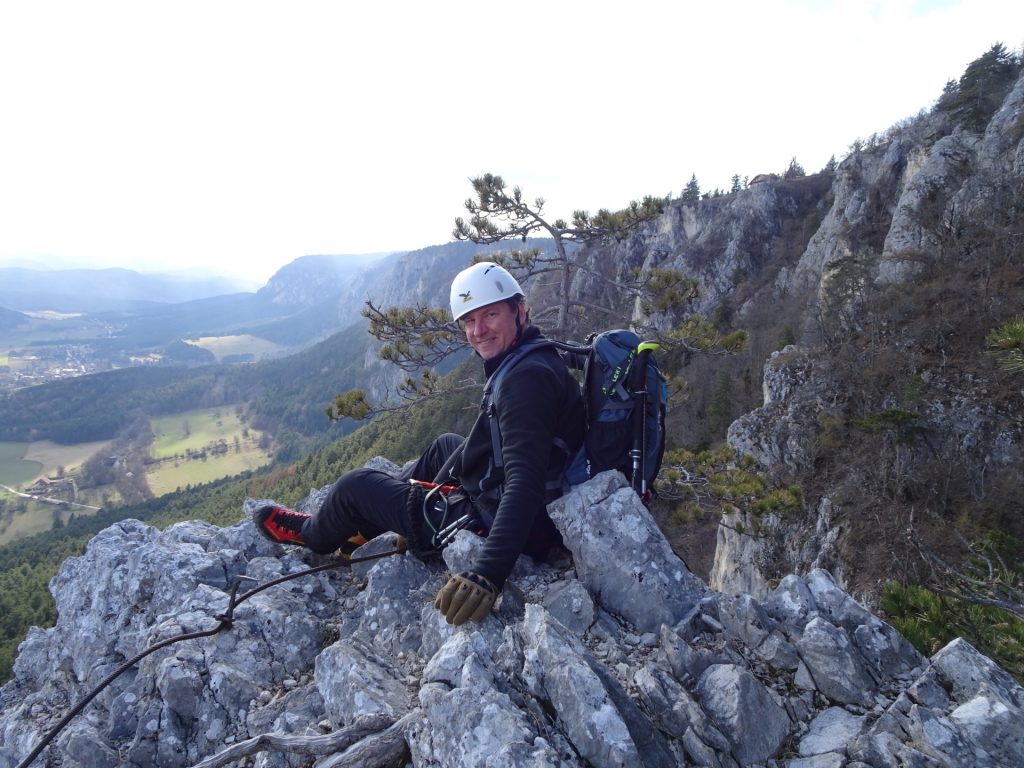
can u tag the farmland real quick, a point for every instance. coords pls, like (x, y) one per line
(188, 449)
(21, 463)
(240, 347)
(199, 446)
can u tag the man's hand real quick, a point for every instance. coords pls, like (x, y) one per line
(466, 596)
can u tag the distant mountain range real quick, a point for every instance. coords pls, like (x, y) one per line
(304, 281)
(96, 290)
(298, 306)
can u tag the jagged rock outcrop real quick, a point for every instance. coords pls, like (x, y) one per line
(623, 658)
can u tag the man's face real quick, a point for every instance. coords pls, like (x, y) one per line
(491, 329)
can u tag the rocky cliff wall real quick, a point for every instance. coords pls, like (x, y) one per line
(903, 212)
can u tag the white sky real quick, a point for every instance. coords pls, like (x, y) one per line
(239, 135)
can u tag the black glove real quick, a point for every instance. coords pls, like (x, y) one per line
(466, 596)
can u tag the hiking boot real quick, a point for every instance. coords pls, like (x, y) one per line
(280, 524)
(353, 543)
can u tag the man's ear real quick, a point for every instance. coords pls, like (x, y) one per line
(523, 312)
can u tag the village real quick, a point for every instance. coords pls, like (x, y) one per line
(44, 364)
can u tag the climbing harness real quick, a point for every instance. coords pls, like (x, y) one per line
(435, 500)
(436, 505)
(226, 621)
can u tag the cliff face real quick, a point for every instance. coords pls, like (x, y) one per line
(917, 259)
(623, 658)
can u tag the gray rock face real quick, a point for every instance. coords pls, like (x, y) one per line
(912, 188)
(623, 659)
(620, 554)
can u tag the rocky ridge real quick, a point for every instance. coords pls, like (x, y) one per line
(621, 658)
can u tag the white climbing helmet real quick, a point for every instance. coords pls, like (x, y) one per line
(480, 285)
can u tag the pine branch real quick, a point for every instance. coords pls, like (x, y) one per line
(354, 404)
(414, 337)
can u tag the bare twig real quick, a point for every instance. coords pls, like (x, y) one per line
(985, 579)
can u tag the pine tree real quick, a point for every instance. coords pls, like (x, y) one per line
(418, 338)
(691, 193)
(973, 100)
(497, 214)
(794, 171)
(1006, 344)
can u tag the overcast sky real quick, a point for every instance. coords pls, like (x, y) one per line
(239, 135)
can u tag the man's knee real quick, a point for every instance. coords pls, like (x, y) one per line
(341, 515)
(349, 488)
(449, 439)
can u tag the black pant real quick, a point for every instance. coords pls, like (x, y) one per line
(372, 502)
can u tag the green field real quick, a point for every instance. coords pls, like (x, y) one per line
(244, 344)
(53, 455)
(37, 516)
(192, 448)
(186, 442)
(194, 430)
(15, 470)
(171, 475)
(21, 463)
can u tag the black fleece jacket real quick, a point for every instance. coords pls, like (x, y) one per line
(537, 400)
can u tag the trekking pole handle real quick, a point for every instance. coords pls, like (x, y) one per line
(638, 369)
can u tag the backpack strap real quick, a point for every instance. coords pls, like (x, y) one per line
(494, 478)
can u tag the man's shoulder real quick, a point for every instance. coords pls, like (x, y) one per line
(540, 353)
(537, 371)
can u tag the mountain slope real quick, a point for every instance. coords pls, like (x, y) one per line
(867, 390)
(11, 319)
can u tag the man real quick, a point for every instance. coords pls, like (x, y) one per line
(539, 413)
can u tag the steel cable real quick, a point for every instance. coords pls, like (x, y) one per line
(226, 621)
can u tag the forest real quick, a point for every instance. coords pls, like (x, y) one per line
(285, 396)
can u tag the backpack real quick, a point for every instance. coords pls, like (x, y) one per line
(626, 399)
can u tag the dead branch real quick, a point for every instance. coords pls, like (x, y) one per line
(985, 579)
(372, 741)
(364, 728)
(387, 749)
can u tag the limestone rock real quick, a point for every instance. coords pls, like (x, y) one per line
(578, 665)
(621, 555)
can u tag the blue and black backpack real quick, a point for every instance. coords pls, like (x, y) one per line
(626, 401)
